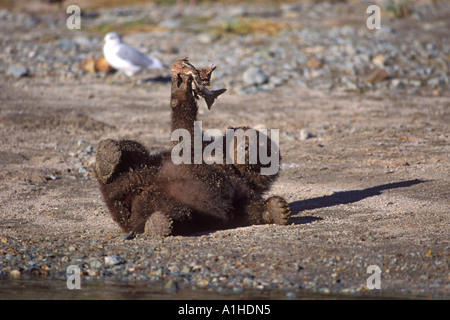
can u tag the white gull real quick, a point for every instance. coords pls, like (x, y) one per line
(126, 59)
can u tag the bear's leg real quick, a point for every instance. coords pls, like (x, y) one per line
(118, 183)
(155, 214)
(107, 160)
(147, 215)
(114, 157)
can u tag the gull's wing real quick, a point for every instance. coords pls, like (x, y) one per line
(137, 58)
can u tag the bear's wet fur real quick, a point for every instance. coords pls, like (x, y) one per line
(148, 193)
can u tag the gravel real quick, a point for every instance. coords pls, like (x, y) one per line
(304, 52)
(180, 263)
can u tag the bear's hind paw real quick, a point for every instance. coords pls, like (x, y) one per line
(276, 210)
(158, 224)
(107, 159)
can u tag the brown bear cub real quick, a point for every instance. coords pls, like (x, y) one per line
(150, 193)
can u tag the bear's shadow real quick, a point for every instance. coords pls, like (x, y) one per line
(341, 197)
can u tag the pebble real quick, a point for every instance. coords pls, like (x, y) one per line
(171, 286)
(377, 75)
(15, 273)
(398, 83)
(9, 256)
(305, 134)
(17, 71)
(114, 260)
(314, 63)
(207, 38)
(93, 272)
(290, 295)
(129, 236)
(95, 264)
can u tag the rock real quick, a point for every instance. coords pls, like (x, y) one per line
(94, 272)
(9, 256)
(415, 83)
(379, 60)
(171, 23)
(82, 170)
(114, 260)
(129, 236)
(159, 273)
(397, 84)
(350, 85)
(287, 136)
(276, 81)
(89, 149)
(102, 65)
(314, 63)
(52, 177)
(88, 65)
(305, 134)
(377, 75)
(171, 286)
(289, 8)
(434, 82)
(290, 295)
(17, 71)
(67, 45)
(95, 264)
(15, 273)
(207, 38)
(254, 76)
